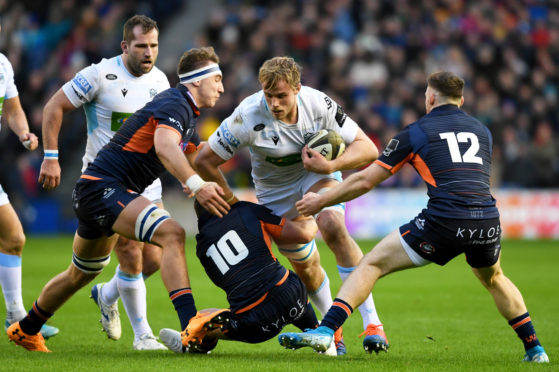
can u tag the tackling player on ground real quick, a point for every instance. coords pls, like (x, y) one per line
(452, 152)
(275, 124)
(160, 136)
(263, 296)
(110, 91)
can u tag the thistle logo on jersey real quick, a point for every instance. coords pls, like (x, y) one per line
(152, 93)
(117, 119)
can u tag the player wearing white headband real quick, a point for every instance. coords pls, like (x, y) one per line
(160, 136)
(275, 124)
(109, 92)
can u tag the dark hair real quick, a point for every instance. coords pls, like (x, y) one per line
(196, 58)
(447, 84)
(147, 24)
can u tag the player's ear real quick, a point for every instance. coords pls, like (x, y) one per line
(461, 101)
(124, 46)
(298, 88)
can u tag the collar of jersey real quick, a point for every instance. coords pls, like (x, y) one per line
(189, 98)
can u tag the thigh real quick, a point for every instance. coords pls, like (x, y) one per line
(389, 255)
(93, 248)
(98, 204)
(10, 226)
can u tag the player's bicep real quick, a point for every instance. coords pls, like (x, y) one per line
(397, 152)
(165, 136)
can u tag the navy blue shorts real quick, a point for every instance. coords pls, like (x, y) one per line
(283, 305)
(97, 204)
(439, 240)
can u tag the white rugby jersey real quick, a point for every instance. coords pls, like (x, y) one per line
(7, 86)
(275, 146)
(109, 94)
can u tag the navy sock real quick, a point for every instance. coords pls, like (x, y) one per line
(523, 327)
(337, 314)
(184, 305)
(34, 320)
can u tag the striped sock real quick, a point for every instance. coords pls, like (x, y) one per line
(34, 320)
(337, 314)
(523, 327)
(184, 305)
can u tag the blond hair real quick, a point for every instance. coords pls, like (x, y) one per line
(280, 68)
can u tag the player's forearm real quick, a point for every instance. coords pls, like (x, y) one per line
(18, 122)
(358, 154)
(212, 173)
(174, 161)
(52, 121)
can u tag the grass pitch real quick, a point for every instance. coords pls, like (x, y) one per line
(435, 318)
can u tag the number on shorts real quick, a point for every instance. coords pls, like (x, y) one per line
(228, 251)
(470, 156)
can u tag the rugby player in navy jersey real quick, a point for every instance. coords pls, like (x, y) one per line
(452, 152)
(263, 295)
(160, 136)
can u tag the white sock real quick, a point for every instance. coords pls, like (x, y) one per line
(322, 297)
(367, 308)
(10, 280)
(109, 293)
(133, 293)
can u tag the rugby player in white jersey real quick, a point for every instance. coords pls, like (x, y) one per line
(110, 91)
(274, 124)
(12, 238)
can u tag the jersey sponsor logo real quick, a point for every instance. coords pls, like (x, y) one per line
(224, 145)
(284, 161)
(117, 119)
(124, 91)
(392, 146)
(228, 136)
(328, 102)
(80, 96)
(176, 122)
(259, 127)
(82, 83)
(340, 116)
(111, 77)
(152, 92)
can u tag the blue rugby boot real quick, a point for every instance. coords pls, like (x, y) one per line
(319, 339)
(536, 355)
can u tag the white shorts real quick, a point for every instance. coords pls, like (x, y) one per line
(3, 197)
(154, 191)
(281, 199)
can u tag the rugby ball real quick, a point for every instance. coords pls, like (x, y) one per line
(328, 143)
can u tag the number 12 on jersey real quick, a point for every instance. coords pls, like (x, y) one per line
(222, 252)
(452, 140)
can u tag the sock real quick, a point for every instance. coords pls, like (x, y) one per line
(34, 320)
(523, 327)
(184, 305)
(109, 292)
(337, 314)
(367, 309)
(322, 298)
(10, 280)
(132, 290)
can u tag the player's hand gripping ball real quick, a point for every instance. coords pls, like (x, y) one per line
(328, 143)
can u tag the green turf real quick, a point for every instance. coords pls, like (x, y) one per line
(435, 318)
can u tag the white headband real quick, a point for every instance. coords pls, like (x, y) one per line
(200, 74)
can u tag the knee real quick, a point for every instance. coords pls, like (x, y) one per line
(174, 238)
(331, 224)
(129, 251)
(13, 244)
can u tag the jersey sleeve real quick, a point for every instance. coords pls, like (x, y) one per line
(272, 223)
(11, 89)
(230, 136)
(339, 121)
(191, 145)
(83, 87)
(398, 152)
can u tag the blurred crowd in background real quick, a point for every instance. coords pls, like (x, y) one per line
(370, 56)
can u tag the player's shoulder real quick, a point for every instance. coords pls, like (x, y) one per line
(157, 75)
(4, 59)
(315, 99)
(252, 108)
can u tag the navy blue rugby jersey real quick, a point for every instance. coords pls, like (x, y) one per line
(130, 155)
(451, 151)
(236, 252)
